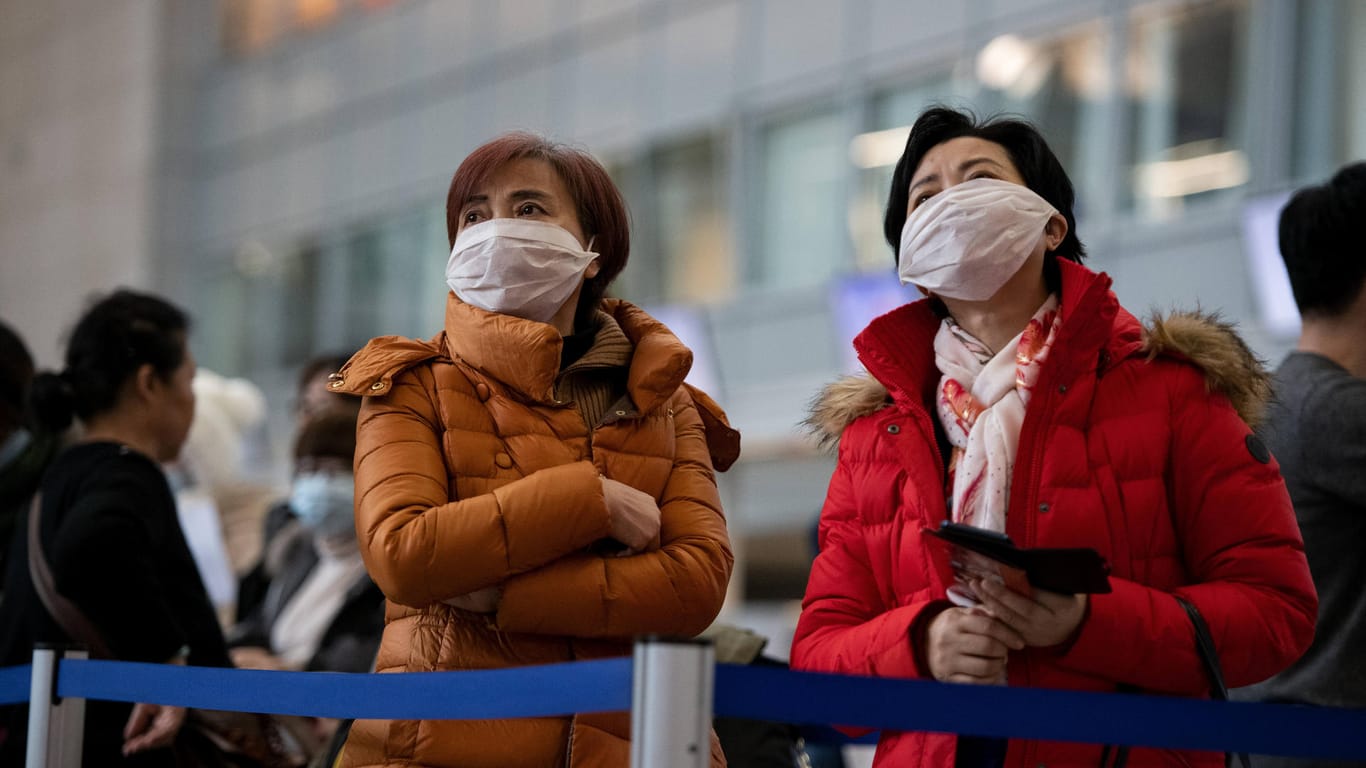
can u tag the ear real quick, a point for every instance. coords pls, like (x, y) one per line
(1054, 232)
(146, 382)
(594, 267)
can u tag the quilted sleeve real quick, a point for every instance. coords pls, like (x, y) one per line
(847, 626)
(1242, 550)
(420, 546)
(676, 589)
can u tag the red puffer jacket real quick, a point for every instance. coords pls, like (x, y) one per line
(1134, 445)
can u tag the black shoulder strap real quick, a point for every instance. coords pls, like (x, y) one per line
(70, 618)
(1209, 657)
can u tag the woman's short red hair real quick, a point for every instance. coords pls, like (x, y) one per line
(601, 211)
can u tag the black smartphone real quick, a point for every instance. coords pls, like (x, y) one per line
(1069, 571)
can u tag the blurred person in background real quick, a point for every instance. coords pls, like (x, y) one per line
(312, 398)
(319, 609)
(25, 449)
(220, 505)
(1019, 397)
(1316, 428)
(107, 523)
(534, 484)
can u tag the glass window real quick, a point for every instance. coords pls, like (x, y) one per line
(681, 243)
(396, 278)
(1352, 104)
(692, 227)
(1187, 110)
(260, 312)
(802, 237)
(1060, 85)
(1330, 82)
(364, 287)
(219, 337)
(642, 281)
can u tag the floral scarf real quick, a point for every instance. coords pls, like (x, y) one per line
(981, 403)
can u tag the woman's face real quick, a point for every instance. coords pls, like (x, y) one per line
(967, 158)
(174, 408)
(525, 188)
(956, 161)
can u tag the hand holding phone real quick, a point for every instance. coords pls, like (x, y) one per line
(976, 553)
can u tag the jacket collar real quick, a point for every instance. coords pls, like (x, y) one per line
(898, 347)
(525, 355)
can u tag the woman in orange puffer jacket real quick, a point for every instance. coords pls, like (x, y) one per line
(535, 483)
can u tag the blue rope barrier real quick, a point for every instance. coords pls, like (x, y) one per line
(741, 691)
(14, 684)
(541, 691)
(1097, 718)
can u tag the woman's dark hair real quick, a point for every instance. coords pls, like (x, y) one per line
(601, 211)
(119, 334)
(1321, 245)
(331, 433)
(1037, 164)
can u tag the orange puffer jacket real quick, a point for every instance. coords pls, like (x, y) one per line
(469, 474)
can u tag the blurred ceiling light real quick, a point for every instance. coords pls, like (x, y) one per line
(314, 13)
(1084, 66)
(878, 148)
(1192, 175)
(1010, 63)
(253, 259)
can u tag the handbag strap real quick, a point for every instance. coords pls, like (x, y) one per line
(1209, 657)
(70, 618)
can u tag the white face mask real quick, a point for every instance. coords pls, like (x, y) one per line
(968, 240)
(523, 268)
(324, 502)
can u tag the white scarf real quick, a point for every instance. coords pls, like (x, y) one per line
(981, 403)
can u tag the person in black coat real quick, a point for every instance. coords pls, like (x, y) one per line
(25, 448)
(108, 526)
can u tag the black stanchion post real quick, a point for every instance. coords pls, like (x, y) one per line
(55, 725)
(671, 703)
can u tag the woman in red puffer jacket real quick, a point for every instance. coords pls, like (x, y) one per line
(1019, 397)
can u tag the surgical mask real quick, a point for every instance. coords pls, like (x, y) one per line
(518, 267)
(968, 240)
(324, 503)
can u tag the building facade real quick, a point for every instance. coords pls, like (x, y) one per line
(299, 153)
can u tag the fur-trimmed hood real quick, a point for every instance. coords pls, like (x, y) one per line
(1203, 339)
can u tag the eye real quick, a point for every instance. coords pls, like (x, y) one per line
(528, 209)
(920, 198)
(471, 217)
(982, 175)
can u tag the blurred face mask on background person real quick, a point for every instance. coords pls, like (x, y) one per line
(517, 267)
(967, 241)
(324, 502)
